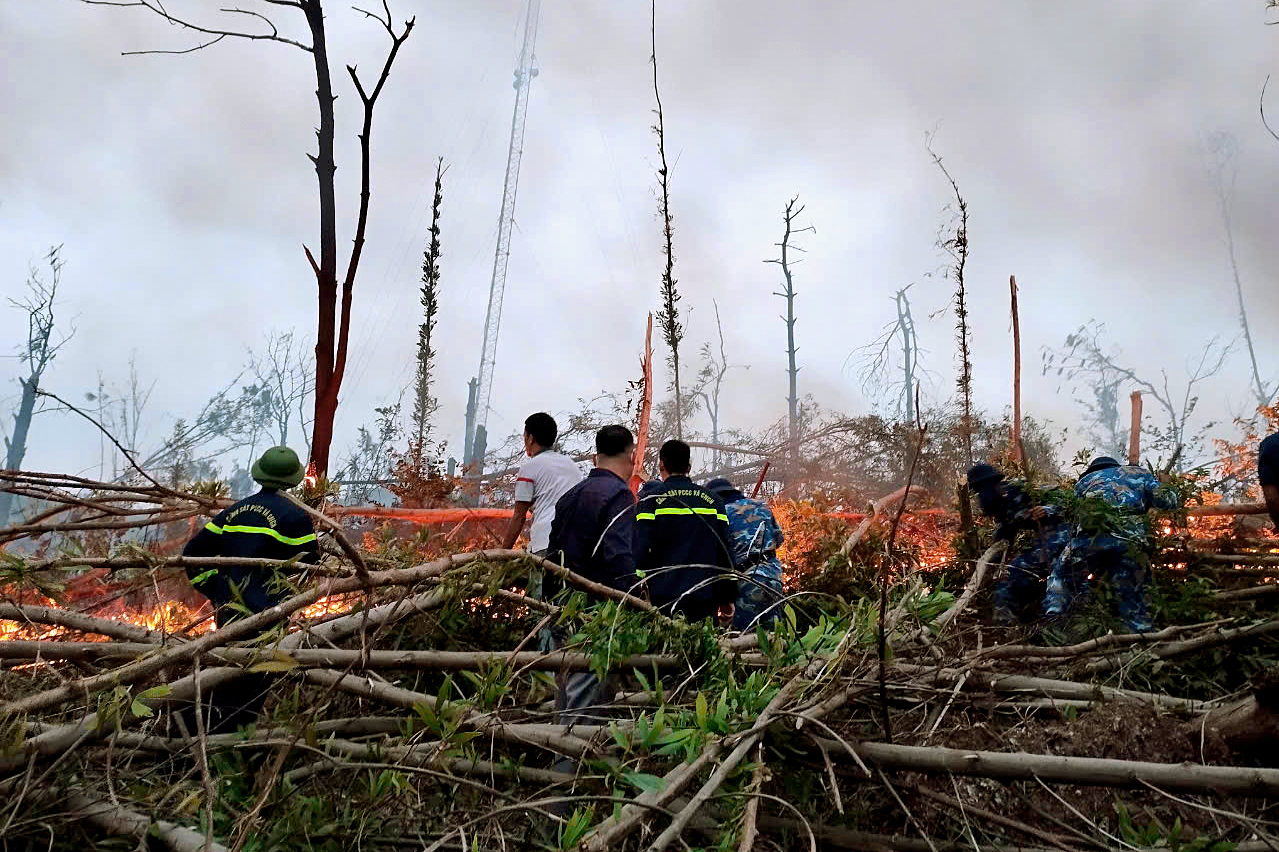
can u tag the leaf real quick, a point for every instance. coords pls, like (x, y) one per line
(160, 691)
(619, 737)
(673, 742)
(202, 576)
(272, 666)
(701, 708)
(575, 829)
(644, 782)
(643, 681)
(137, 708)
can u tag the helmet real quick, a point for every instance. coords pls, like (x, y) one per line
(724, 489)
(981, 474)
(1101, 463)
(278, 468)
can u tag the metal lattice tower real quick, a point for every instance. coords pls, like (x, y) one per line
(477, 414)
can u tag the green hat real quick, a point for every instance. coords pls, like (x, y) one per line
(278, 468)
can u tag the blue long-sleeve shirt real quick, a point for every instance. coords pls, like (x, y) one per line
(593, 529)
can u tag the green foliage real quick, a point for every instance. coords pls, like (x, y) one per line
(575, 828)
(1155, 835)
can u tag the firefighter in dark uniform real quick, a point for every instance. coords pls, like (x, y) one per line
(266, 525)
(682, 544)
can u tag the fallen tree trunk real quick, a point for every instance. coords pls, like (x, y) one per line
(1045, 687)
(1089, 771)
(1169, 650)
(118, 820)
(335, 658)
(1227, 509)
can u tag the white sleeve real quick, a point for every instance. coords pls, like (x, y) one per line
(524, 485)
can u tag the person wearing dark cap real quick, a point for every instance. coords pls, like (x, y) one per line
(1268, 475)
(266, 525)
(682, 549)
(1020, 592)
(756, 536)
(1110, 537)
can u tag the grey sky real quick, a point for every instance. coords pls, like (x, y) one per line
(180, 187)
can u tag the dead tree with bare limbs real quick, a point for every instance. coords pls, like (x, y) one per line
(1221, 152)
(786, 262)
(40, 348)
(710, 381)
(334, 316)
(876, 363)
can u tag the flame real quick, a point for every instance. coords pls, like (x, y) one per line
(167, 618)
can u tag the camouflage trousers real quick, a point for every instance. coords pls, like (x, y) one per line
(758, 597)
(1082, 563)
(1019, 594)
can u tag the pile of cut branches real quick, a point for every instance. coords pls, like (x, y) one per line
(423, 718)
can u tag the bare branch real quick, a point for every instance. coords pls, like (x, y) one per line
(218, 34)
(1262, 104)
(369, 100)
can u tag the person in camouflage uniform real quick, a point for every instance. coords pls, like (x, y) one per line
(1105, 544)
(1020, 592)
(756, 537)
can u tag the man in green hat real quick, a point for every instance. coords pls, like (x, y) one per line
(266, 525)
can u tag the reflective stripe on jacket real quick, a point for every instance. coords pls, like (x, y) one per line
(682, 524)
(266, 525)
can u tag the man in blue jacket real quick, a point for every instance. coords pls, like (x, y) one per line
(594, 520)
(1020, 592)
(1110, 537)
(756, 536)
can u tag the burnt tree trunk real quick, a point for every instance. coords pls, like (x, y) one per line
(326, 341)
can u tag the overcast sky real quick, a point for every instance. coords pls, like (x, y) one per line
(181, 190)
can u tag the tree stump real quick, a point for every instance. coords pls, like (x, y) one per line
(1249, 726)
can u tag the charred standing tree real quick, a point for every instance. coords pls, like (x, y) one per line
(334, 318)
(785, 261)
(905, 327)
(668, 316)
(424, 404)
(35, 356)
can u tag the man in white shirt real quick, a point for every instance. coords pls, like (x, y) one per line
(541, 482)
